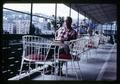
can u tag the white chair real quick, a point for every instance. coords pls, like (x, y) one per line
(35, 51)
(96, 40)
(81, 45)
(76, 50)
(91, 43)
(103, 39)
(107, 38)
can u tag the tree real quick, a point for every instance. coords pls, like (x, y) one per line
(59, 21)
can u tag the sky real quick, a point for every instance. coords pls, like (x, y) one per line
(47, 9)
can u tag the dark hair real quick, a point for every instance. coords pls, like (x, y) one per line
(96, 32)
(69, 20)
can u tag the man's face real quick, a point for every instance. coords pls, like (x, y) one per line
(67, 24)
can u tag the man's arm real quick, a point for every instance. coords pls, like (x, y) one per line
(73, 35)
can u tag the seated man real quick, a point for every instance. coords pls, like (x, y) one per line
(65, 33)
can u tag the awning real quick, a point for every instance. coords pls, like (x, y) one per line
(101, 13)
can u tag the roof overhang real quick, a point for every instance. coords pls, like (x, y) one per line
(100, 13)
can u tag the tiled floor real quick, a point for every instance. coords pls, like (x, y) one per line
(101, 65)
(110, 70)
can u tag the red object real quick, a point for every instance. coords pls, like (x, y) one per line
(35, 57)
(90, 44)
(68, 56)
(64, 56)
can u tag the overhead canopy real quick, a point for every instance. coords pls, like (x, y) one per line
(101, 13)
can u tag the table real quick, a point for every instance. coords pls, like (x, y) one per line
(56, 44)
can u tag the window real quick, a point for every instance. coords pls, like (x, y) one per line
(74, 15)
(62, 13)
(16, 18)
(81, 17)
(43, 17)
(62, 10)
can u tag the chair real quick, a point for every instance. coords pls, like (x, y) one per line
(107, 38)
(93, 44)
(35, 51)
(96, 40)
(76, 50)
(103, 39)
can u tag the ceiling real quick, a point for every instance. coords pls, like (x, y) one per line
(100, 13)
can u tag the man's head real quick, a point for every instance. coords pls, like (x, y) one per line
(68, 22)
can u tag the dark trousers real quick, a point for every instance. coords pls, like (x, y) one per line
(64, 49)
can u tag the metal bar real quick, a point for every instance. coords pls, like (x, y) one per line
(111, 29)
(106, 29)
(78, 17)
(30, 28)
(70, 11)
(55, 16)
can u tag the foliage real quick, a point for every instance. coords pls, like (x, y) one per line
(58, 23)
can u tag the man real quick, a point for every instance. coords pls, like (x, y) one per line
(65, 33)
